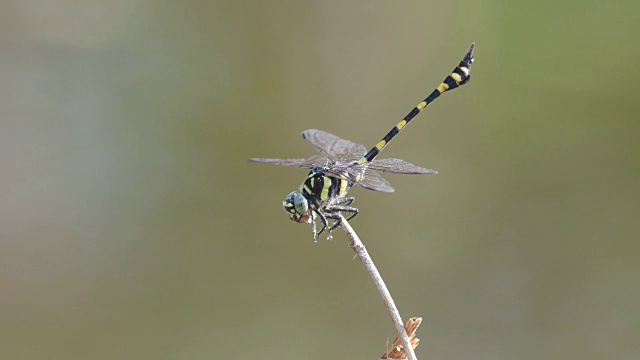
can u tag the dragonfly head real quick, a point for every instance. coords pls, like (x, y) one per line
(297, 207)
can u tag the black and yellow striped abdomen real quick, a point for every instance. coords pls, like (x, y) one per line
(458, 77)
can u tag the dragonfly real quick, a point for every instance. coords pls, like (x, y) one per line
(342, 164)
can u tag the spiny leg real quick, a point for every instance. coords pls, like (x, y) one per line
(341, 209)
(340, 202)
(351, 210)
(343, 205)
(340, 205)
(323, 218)
(336, 216)
(458, 77)
(315, 232)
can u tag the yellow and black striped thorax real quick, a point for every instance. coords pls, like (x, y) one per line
(320, 188)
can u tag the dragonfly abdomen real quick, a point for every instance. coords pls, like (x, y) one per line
(458, 77)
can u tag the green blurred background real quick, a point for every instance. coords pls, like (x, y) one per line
(132, 226)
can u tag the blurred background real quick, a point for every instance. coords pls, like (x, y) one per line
(132, 226)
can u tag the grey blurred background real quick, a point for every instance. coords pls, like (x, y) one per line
(132, 226)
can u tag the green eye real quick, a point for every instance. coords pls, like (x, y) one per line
(300, 204)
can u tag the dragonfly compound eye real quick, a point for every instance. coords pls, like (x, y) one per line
(296, 206)
(300, 203)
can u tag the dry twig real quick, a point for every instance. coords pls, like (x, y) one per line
(363, 255)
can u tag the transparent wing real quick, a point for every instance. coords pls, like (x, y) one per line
(398, 166)
(373, 181)
(307, 163)
(333, 146)
(358, 174)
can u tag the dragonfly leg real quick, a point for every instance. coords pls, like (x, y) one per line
(323, 218)
(335, 215)
(340, 209)
(315, 231)
(351, 210)
(345, 201)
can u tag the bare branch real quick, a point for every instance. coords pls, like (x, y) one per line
(363, 255)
